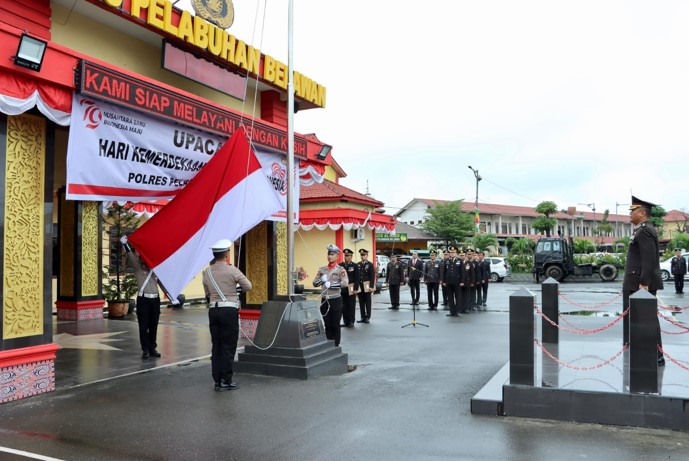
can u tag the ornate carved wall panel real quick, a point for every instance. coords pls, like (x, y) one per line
(90, 271)
(281, 258)
(256, 260)
(67, 263)
(24, 227)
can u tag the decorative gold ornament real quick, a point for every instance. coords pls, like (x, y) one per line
(218, 12)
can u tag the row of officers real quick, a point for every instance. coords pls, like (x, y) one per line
(463, 278)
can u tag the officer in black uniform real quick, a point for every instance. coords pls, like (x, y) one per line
(642, 270)
(394, 277)
(443, 287)
(485, 275)
(332, 278)
(367, 272)
(466, 281)
(147, 302)
(452, 272)
(414, 275)
(349, 291)
(471, 258)
(220, 281)
(432, 279)
(678, 266)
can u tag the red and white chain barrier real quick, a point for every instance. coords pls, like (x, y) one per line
(680, 363)
(662, 305)
(678, 325)
(596, 306)
(580, 331)
(574, 367)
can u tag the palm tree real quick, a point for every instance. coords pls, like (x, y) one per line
(485, 242)
(545, 223)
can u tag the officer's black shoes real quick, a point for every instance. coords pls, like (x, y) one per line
(361, 321)
(451, 315)
(661, 361)
(145, 355)
(155, 353)
(366, 320)
(223, 386)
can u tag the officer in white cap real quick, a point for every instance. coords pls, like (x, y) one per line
(331, 278)
(220, 281)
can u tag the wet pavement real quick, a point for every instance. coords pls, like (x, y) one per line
(408, 396)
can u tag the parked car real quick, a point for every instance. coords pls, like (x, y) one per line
(666, 270)
(382, 265)
(499, 269)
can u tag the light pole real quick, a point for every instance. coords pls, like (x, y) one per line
(616, 205)
(478, 178)
(593, 208)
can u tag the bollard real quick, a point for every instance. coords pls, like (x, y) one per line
(522, 331)
(551, 309)
(643, 342)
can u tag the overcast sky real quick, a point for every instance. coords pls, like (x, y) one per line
(577, 102)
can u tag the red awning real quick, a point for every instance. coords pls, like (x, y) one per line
(347, 218)
(19, 94)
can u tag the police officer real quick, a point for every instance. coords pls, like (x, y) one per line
(367, 273)
(394, 277)
(485, 276)
(332, 278)
(642, 270)
(349, 291)
(452, 270)
(432, 279)
(220, 281)
(147, 302)
(678, 266)
(443, 287)
(415, 274)
(466, 281)
(471, 258)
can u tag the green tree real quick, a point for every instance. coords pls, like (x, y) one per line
(657, 215)
(522, 246)
(679, 242)
(583, 246)
(448, 222)
(545, 223)
(485, 242)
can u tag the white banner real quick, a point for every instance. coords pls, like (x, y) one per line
(114, 153)
(275, 168)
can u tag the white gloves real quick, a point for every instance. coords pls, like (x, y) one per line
(327, 285)
(124, 240)
(324, 278)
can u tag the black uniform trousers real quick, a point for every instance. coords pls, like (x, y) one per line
(465, 300)
(472, 297)
(479, 294)
(432, 290)
(348, 307)
(394, 295)
(224, 327)
(364, 305)
(679, 283)
(148, 314)
(331, 310)
(625, 321)
(485, 292)
(454, 298)
(415, 288)
(444, 290)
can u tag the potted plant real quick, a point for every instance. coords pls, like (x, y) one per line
(118, 285)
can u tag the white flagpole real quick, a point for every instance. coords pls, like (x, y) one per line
(290, 151)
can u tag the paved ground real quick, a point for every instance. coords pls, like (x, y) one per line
(408, 398)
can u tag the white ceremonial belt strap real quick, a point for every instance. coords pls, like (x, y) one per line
(148, 295)
(225, 304)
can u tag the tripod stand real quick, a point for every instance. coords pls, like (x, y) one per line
(414, 322)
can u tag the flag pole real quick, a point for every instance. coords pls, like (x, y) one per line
(290, 151)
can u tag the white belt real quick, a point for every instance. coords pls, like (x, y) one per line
(148, 295)
(331, 296)
(225, 304)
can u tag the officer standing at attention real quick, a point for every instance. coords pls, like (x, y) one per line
(147, 302)
(415, 274)
(678, 266)
(471, 258)
(642, 270)
(485, 273)
(443, 287)
(332, 278)
(466, 281)
(432, 279)
(349, 291)
(394, 277)
(220, 281)
(452, 270)
(367, 272)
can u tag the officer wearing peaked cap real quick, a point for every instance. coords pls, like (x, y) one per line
(451, 275)
(220, 281)
(642, 269)
(331, 278)
(367, 274)
(349, 291)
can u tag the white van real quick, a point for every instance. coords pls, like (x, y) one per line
(382, 265)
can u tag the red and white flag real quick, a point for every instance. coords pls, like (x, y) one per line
(229, 196)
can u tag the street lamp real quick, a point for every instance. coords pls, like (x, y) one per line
(616, 205)
(593, 207)
(478, 178)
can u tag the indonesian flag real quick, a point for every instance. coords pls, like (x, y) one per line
(229, 196)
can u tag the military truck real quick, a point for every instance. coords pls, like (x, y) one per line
(554, 257)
